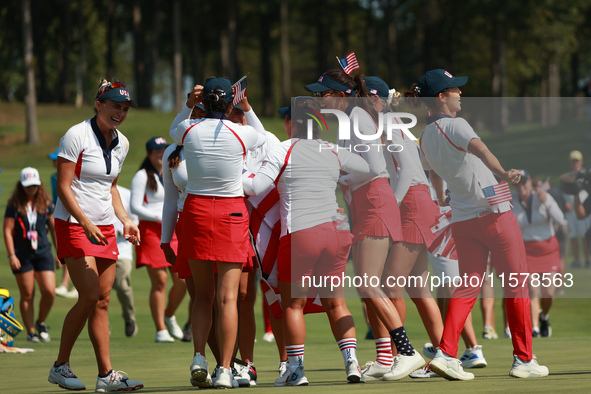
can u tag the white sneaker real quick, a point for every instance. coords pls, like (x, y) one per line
(163, 336)
(238, 378)
(268, 337)
(473, 358)
(292, 378)
(489, 333)
(64, 377)
(424, 373)
(527, 369)
(200, 371)
(114, 381)
(61, 291)
(72, 293)
(283, 366)
(224, 379)
(507, 333)
(43, 332)
(173, 328)
(374, 371)
(353, 371)
(404, 366)
(429, 351)
(249, 372)
(449, 367)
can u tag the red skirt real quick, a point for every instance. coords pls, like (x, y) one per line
(148, 252)
(375, 212)
(216, 229)
(543, 256)
(181, 267)
(72, 242)
(418, 212)
(321, 251)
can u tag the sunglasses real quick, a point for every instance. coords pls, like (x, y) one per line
(111, 85)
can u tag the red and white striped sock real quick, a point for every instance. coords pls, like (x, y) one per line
(384, 351)
(295, 356)
(348, 348)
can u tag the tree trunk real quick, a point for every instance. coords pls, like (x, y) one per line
(285, 62)
(30, 98)
(391, 19)
(177, 57)
(266, 69)
(82, 69)
(64, 59)
(500, 110)
(39, 28)
(554, 86)
(139, 51)
(110, 28)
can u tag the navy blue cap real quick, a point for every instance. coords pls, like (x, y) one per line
(376, 87)
(285, 111)
(53, 155)
(435, 81)
(116, 91)
(156, 143)
(325, 83)
(223, 84)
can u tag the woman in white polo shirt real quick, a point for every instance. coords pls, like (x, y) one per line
(90, 158)
(536, 212)
(454, 153)
(147, 199)
(215, 222)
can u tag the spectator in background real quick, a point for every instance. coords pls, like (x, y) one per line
(122, 284)
(27, 223)
(62, 289)
(535, 210)
(147, 200)
(577, 227)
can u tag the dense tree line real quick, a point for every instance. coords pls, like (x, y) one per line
(513, 48)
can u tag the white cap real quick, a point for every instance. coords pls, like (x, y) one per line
(30, 177)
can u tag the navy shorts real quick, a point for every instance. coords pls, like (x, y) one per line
(37, 262)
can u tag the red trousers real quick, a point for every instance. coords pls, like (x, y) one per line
(498, 234)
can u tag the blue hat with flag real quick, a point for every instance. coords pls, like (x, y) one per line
(326, 82)
(376, 87)
(435, 81)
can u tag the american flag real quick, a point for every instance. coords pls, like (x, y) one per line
(239, 89)
(349, 63)
(497, 194)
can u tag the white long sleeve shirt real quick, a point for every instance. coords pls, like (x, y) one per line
(537, 225)
(145, 203)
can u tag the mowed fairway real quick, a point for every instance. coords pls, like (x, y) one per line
(165, 367)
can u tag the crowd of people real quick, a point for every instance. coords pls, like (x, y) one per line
(227, 203)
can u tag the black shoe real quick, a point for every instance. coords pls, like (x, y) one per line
(32, 337)
(545, 328)
(369, 334)
(187, 333)
(535, 334)
(130, 328)
(43, 332)
(576, 264)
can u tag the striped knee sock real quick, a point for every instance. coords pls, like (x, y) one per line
(401, 342)
(348, 348)
(295, 356)
(384, 351)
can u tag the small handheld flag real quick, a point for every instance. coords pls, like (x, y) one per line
(239, 89)
(349, 63)
(497, 194)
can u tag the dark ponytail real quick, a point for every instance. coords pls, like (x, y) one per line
(214, 102)
(355, 83)
(412, 97)
(174, 159)
(151, 171)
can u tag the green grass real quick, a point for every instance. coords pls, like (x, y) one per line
(165, 367)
